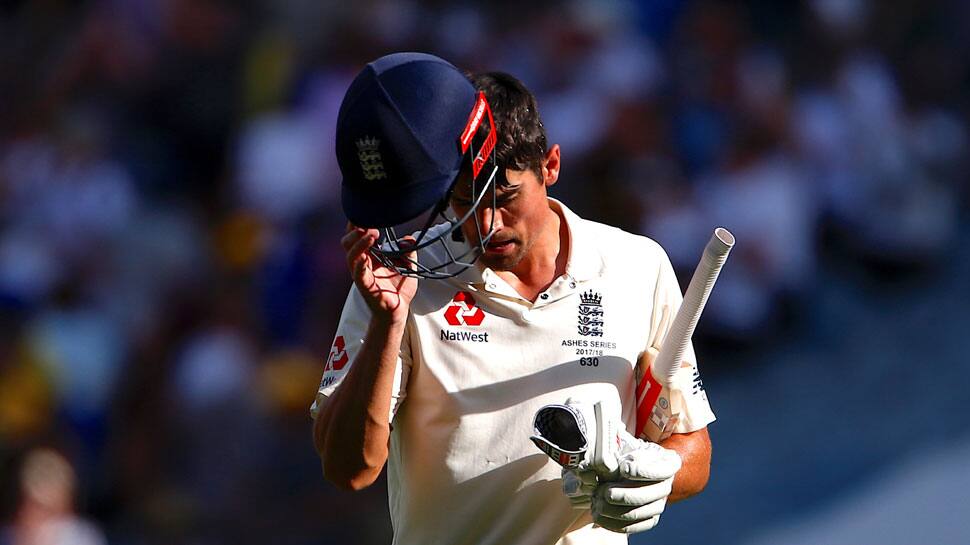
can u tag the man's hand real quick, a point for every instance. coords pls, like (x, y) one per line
(634, 502)
(579, 485)
(625, 481)
(388, 294)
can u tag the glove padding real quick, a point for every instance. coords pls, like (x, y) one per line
(579, 435)
(633, 503)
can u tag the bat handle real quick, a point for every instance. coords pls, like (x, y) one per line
(658, 376)
(715, 254)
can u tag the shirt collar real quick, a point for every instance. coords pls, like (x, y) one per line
(585, 260)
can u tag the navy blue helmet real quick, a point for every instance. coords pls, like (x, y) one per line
(409, 126)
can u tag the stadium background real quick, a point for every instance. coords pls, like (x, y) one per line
(170, 273)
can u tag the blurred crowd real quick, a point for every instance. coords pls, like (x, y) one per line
(170, 272)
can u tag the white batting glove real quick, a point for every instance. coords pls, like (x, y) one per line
(578, 485)
(634, 502)
(568, 434)
(578, 436)
(595, 448)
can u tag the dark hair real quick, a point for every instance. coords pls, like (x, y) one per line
(521, 137)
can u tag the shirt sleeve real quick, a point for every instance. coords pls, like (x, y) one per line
(347, 342)
(667, 300)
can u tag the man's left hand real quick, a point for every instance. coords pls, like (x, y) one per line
(633, 503)
(623, 480)
(629, 507)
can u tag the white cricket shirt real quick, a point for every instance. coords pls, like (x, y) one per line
(478, 361)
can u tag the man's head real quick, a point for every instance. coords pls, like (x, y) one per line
(525, 169)
(407, 126)
(414, 136)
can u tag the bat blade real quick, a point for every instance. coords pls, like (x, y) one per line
(658, 407)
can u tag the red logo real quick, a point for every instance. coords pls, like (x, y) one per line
(338, 355)
(462, 310)
(475, 119)
(647, 392)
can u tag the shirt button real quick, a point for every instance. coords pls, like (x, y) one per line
(491, 286)
(544, 296)
(572, 284)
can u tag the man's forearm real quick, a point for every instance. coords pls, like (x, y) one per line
(695, 452)
(352, 429)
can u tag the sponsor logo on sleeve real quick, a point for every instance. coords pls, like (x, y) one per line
(335, 362)
(698, 385)
(338, 354)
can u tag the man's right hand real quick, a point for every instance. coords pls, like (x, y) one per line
(388, 294)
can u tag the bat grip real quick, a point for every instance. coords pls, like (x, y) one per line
(715, 254)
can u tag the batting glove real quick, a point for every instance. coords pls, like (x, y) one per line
(633, 501)
(579, 486)
(572, 435)
(598, 455)
(577, 435)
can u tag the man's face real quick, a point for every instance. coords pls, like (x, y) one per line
(520, 208)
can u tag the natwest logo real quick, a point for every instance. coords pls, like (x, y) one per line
(338, 355)
(462, 310)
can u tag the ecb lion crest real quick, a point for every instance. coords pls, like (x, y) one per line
(590, 319)
(371, 162)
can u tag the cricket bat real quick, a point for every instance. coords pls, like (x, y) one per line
(659, 407)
